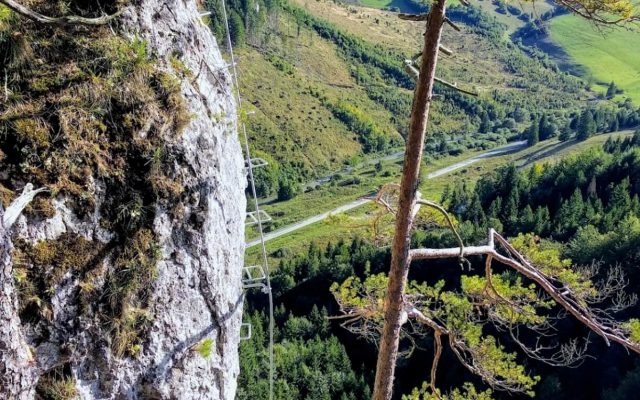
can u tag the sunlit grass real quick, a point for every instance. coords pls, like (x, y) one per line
(609, 55)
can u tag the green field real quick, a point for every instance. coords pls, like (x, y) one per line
(610, 55)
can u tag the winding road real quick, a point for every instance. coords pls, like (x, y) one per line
(357, 203)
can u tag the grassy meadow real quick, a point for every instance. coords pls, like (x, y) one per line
(608, 55)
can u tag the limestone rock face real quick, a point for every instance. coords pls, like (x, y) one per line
(17, 377)
(197, 293)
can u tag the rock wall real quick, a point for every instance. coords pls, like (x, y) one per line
(197, 292)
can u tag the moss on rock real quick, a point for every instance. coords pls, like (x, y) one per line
(84, 107)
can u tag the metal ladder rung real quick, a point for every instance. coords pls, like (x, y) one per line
(253, 277)
(205, 14)
(247, 329)
(255, 217)
(256, 162)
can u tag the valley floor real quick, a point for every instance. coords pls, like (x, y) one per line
(346, 213)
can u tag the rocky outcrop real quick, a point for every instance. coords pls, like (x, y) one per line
(195, 293)
(17, 377)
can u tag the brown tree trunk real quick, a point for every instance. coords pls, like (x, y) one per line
(388, 353)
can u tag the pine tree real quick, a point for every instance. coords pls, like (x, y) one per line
(511, 212)
(565, 133)
(611, 90)
(543, 222)
(546, 129)
(475, 213)
(527, 220)
(485, 123)
(586, 126)
(532, 134)
(495, 209)
(236, 29)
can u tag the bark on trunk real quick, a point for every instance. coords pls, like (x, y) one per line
(388, 353)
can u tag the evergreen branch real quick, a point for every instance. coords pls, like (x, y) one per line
(563, 296)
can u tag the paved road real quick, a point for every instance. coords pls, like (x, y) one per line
(398, 155)
(357, 203)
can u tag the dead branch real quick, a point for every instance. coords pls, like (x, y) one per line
(446, 50)
(437, 338)
(452, 24)
(18, 205)
(413, 17)
(563, 296)
(64, 20)
(446, 215)
(415, 73)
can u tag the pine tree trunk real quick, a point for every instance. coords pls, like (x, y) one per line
(388, 353)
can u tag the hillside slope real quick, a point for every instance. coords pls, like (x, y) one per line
(607, 56)
(327, 84)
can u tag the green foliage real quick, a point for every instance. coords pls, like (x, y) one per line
(287, 188)
(456, 312)
(628, 387)
(236, 29)
(69, 254)
(586, 125)
(370, 135)
(311, 363)
(205, 347)
(634, 328)
(547, 257)
(57, 388)
(532, 134)
(593, 188)
(467, 392)
(246, 18)
(604, 57)
(57, 383)
(281, 64)
(127, 292)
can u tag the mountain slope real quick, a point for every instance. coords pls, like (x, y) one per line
(608, 56)
(327, 84)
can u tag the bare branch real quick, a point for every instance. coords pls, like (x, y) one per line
(562, 296)
(455, 87)
(569, 354)
(446, 50)
(446, 215)
(415, 73)
(593, 12)
(64, 20)
(413, 17)
(437, 339)
(452, 24)
(18, 205)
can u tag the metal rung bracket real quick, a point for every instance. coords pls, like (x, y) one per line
(253, 277)
(247, 329)
(256, 162)
(255, 217)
